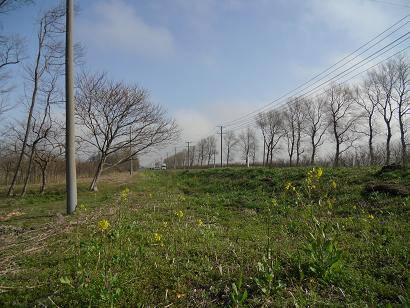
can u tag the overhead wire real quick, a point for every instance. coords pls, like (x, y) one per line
(350, 78)
(332, 67)
(405, 36)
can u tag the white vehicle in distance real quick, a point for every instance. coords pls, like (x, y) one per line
(164, 167)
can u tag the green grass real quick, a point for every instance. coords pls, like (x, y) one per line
(232, 245)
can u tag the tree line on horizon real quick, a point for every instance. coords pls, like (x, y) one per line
(363, 123)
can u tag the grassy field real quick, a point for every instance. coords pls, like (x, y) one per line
(216, 237)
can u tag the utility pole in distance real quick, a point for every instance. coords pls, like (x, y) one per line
(221, 133)
(175, 158)
(131, 166)
(188, 142)
(71, 180)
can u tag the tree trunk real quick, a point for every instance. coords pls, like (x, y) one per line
(93, 186)
(388, 139)
(43, 178)
(298, 150)
(337, 155)
(267, 155)
(403, 141)
(371, 149)
(29, 168)
(312, 158)
(337, 150)
(30, 115)
(264, 150)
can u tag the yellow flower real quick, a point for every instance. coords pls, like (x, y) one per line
(288, 185)
(124, 194)
(274, 202)
(157, 237)
(199, 222)
(179, 214)
(370, 216)
(82, 207)
(319, 172)
(103, 225)
(334, 185)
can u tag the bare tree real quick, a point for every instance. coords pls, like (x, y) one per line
(192, 156)
(8, 154)
(247, 143)
(316, 124)
(210, 149)
(367, 97)
(9, 5)
(230, 142)
(385, 79)
(42, 124)
(49, 149)
(294, 116)
(50, 51)
(401, 97)
(271, 125)
(11, 50)
(106, 110)
(342, 119)
(201, 149)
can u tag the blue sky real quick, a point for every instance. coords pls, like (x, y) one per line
(210, 61)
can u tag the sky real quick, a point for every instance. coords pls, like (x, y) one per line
(210, 61)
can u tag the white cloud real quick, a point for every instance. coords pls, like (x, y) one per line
(116, 25)
(194, 124)
(360, 18)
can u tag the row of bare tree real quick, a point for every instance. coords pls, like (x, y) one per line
(116, 122)
(355, 122)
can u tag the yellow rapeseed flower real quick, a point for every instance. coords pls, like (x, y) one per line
(370, 216)
(288, 185)
(124, 194)
(199, 222)
(82, 207)
(103, 225)
(179, 214)
(157, 237)
(334, 185)
(319, 172)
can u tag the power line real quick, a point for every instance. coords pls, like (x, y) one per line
(392, 3)
(229, 123)
(380, 51)
(352, 77)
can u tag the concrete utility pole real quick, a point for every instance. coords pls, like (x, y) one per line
(221, 133)
(188, 142)
(71, 180)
